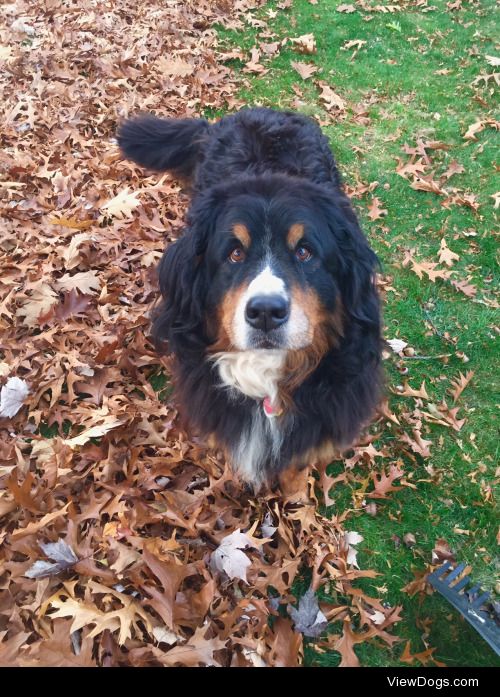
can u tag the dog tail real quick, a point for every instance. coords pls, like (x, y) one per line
(163, 144)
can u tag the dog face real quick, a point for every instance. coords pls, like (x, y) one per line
(272, 275)
(269, 263)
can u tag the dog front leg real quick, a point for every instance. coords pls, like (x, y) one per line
(294, 484)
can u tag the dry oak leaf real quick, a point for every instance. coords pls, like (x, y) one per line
(279, 577)
(418, 444)
(73, 304)
(450, 416)
(408, 391)
(107, 424)
(305, 43)
(424, 657)
(71, 253)
(308, 618)
(354, 43)
(453, 168)
(460, 383)
(62, 555)
(374, 210)
(72, 223)
(198, 650)
(174, 68)
(383, 484)
(228, 556)
(86, 282)
(426, 267)
(352, 538)
(31, 528)
(397, 345)
(305, 70)
(286, 651)
(442, 552)
(330, 98)
(413, 168)
(253, 65)
(39, 304)
(122, 205)
(468, 289)
(427, 184)
(446, 256)
(345, 646)
(346, 8)
(171, 575)
(55, 649)
(479, 126)
(12, 397)
(123, 619)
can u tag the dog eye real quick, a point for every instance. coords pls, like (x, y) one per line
(237, 256)
(303, 253)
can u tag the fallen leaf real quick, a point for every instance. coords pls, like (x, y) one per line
(308, 618)
(107, 424)
(122, 205)
(305, 43)
(62, 555)
(229, 558)
(12, 397)
(374, 209)
(305, 70)
(40, 302)
(460, 383)
(446, 256)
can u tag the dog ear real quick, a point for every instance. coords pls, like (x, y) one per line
(183, 277)
(357, 262)
(356, 267)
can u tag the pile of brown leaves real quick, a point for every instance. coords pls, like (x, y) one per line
(122, 541)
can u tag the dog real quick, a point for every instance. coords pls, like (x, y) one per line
(270, 306)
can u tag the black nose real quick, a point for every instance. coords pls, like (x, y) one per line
(267, 312)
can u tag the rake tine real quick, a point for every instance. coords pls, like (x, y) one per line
(463, 582)
(472, 592)
(456, 572)
(438, 573)
(480, 601)
(468, 604)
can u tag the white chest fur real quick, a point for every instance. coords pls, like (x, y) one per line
(254, 373)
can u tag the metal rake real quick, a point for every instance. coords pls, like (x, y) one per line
(470, 603)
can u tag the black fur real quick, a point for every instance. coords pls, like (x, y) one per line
(271, 168)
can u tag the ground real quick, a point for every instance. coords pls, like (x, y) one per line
(93, 457)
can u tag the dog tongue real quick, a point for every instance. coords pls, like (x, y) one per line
(269, 409)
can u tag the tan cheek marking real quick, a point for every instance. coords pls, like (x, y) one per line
(241, 232)
(295, 234)
(325, 329)
(226, 340)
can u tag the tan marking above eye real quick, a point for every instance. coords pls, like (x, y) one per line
(242, 234)
(295, 234)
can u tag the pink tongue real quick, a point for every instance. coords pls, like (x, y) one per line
(268, 407)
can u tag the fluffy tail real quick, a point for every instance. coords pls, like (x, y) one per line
(163, 144)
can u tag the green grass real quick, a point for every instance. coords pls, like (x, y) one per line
(395, 75)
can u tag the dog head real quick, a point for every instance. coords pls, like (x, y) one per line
(270, 262)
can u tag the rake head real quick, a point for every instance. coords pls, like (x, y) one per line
(468, 601)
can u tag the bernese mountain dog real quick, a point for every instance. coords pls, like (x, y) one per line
(269, 299)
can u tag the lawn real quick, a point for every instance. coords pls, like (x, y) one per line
(410, 73)
(111, 515)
